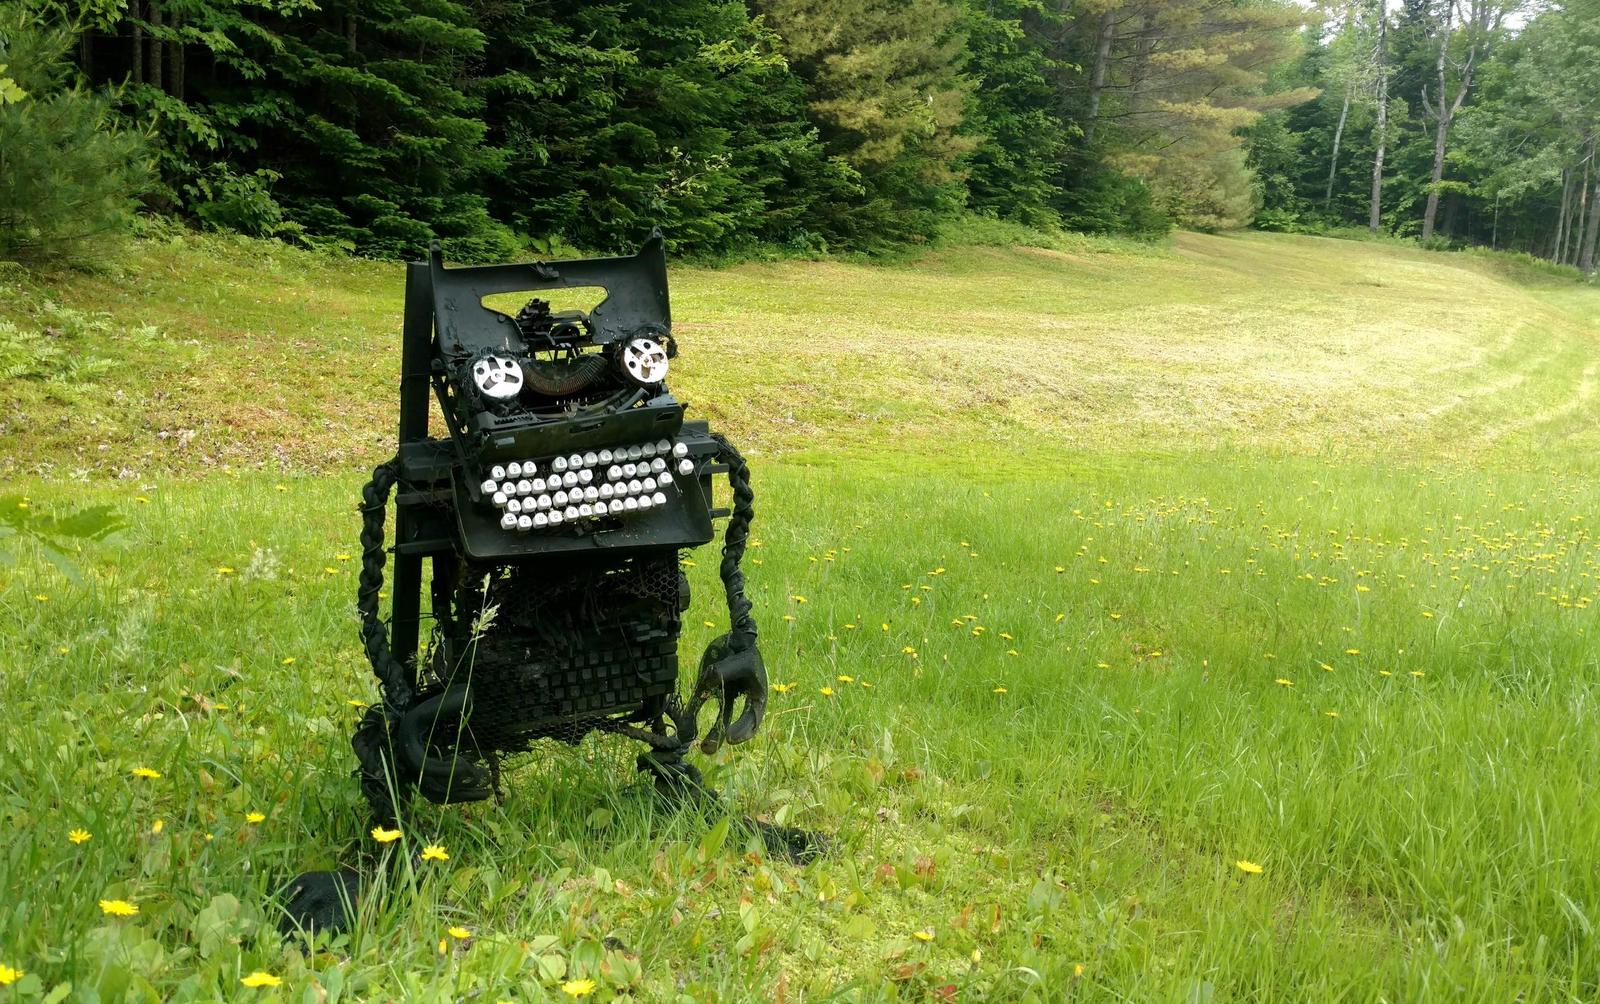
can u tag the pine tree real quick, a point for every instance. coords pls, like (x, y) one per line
(68, 173)
(884, 86)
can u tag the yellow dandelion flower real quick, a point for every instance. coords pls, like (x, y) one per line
(926, 934)
(1012, 651)
(384, 836)
(9, 975)
(827, 691)
(1331, 714)
(1352, 651)
(579, 988)
(1384, 672)
(356, 703)
(259, 979)
(1060, 569)
(288, 660)
(884, 625)
(849, 627)
(41, 597)
(254, 818)
(1116, 616)
(145, 772)
(157, 826)
(330, 570)
(118, 907)
(1248, 867)
(1077, 970)
(281, 488)
(798, 599)
(435, 852)
(459, 933)
(1416, 672)
(1000, 690)
(866, 684)
(789, 617)
(1428, 614)
(845, 679)
(908, 650)
(1280, 681)
(782, 688)
(78, 836)
(709, 624)
(341, 557)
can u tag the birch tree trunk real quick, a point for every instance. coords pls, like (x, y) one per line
(1441, 122)
(1376, 215)
(1333, 161)
(1591, 227)
(1097, 78)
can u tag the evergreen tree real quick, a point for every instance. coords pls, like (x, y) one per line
(68, 173)
(883, 83)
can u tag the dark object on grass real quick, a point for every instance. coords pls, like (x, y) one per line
(552, 515)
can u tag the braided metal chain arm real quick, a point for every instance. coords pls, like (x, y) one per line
(392, 675)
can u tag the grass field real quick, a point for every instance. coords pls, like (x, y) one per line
(1096, 580)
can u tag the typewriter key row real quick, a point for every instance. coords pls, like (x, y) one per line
(585, 486)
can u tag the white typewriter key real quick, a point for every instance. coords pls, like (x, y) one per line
(545, 502)
(570, 512)
(616, 505)
(559, 464)
(658, 465)
(648, 450)
(508, 522)
(606, 491)
(574, 462)
(536, 486)
(680, 450)
(635, 452)
(500, 499)
(569, 479)
(540, 519)
(630, 503)
(586, 510)
(560, 499)
(585, 476)
(524, 486)
(489, 487)
(685, 466)
(605, 456)
(591, 493)
(613, 472)
(628, 470)
(590, 459)
(524, 522)
(513, 470)
(644, 502)
(555, 517)
(663, 446)
(513, 505)
(529, 468)
(649, 484)
(659, 498)
(497, 472)
(663, 479)
(634, 487)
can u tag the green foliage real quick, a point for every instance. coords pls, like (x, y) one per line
(884, 86)
(68, 172)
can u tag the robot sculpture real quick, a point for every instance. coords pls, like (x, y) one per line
(552, 514)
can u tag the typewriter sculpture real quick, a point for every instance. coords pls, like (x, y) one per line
(552, 516)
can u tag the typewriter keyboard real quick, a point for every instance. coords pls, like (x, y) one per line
(581, 487)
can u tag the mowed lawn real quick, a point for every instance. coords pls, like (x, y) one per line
(1209, 623)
